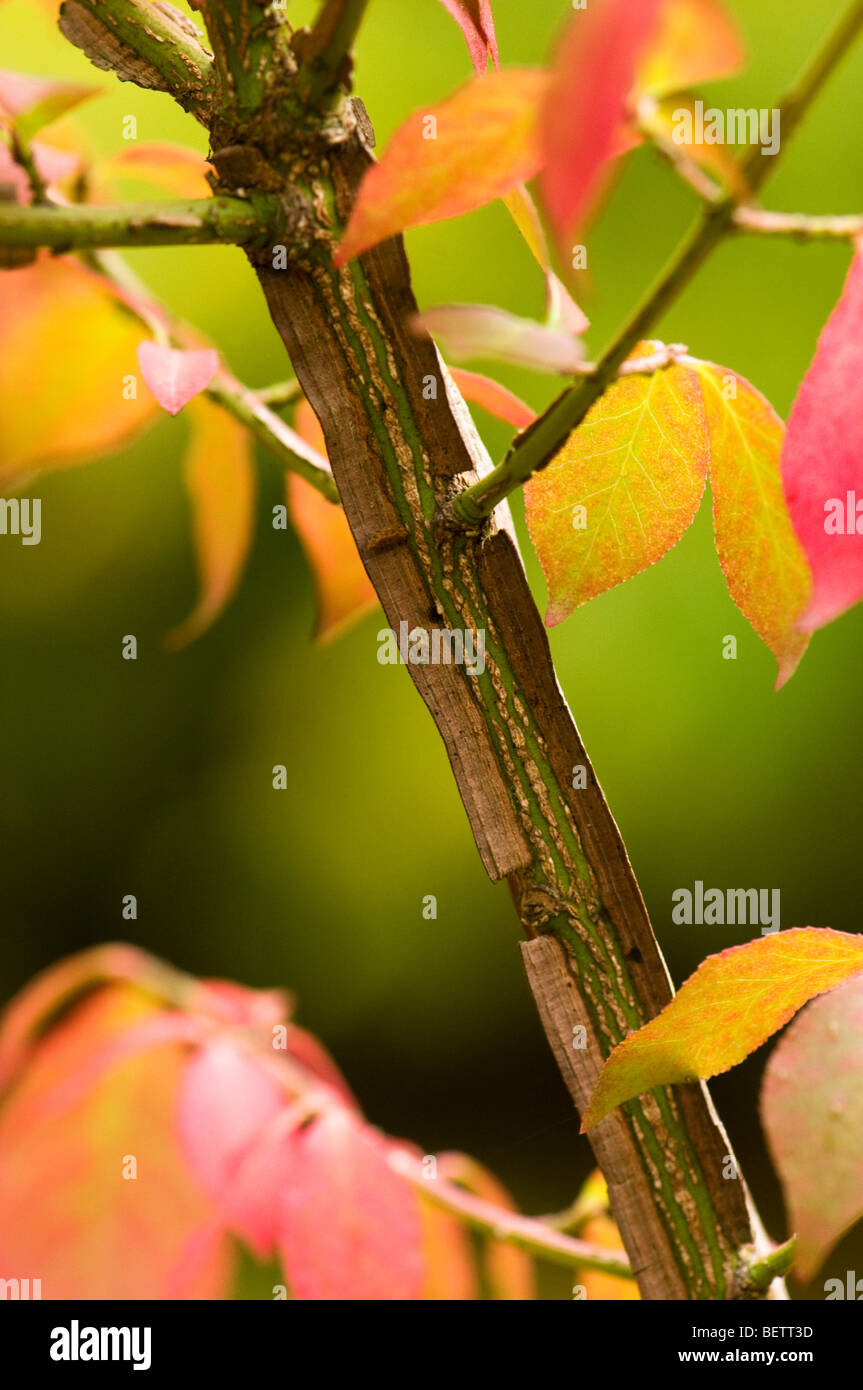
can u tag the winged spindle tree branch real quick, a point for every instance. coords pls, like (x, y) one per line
(400, 460)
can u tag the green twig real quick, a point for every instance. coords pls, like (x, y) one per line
(538, 444)
(82, 225)
(244, 405)
(280, 393)
(284, 443)
(328, 47)
(527, 1233)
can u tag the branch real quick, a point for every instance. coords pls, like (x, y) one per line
(280, 393)
(527, 1233)
(325, 53)
(150, 44)
(284, 443)
(189, 223)
(246, 406)
(798, 225)
(541, 441)
(246, 37)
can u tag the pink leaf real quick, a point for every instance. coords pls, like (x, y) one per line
(475, 19)
(51, 164)
(587, 104)
(481, 330)
(176, 375)
(822, 461)
(812, 1111)
(29, 103)
(225, 1102)
(350, 1224)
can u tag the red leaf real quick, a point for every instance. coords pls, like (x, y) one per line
(587, 104)
(176, 375)
(450, 159)
(822, 461)
(350, 1224)
(475, 19)
(496, 399)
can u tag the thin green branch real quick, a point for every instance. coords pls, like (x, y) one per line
(21, 152)
(81, 225)
(527, 1233)
(800, 226)
(328, 47)
(542, 440)
(280, 393)
(283, 443)
(246, 406)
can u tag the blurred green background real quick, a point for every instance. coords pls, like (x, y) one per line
(154, 777)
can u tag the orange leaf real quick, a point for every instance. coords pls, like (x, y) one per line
(450, 1272)
(450, 159)
(761, 557)
(697, 42)
(172, 168)
(496, 399)
(67, 360)
(601, 1231)
(345, 591)
(623, 489)
(730, 1006)
(510, 1271)
(220, 477)
(70, 1213)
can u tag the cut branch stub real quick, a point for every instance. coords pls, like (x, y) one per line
(153, 45)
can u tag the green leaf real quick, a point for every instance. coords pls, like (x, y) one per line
(623, 489)
(812, 1112)
(761, 557)
(730, 1006)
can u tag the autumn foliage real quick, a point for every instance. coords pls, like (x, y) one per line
(241, 1129)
